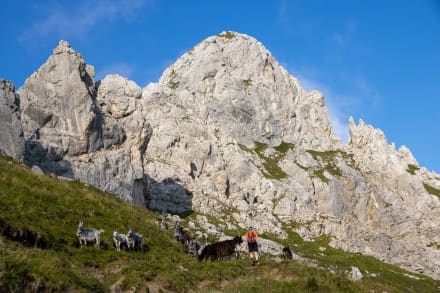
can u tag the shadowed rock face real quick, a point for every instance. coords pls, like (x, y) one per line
(11, 133)
(228, 132)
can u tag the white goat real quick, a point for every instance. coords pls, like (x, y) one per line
(134, 240)
(163, 224)
(88, 235)
(119, 240)
(194, 247)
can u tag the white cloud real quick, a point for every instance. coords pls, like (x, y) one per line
(66, 21)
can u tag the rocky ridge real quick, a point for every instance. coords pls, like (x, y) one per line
(228, 132)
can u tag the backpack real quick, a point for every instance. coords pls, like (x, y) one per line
(251, 237)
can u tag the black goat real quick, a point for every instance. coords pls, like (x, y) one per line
(220, 250)
(287, 253)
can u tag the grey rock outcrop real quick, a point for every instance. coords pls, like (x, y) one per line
(76, 129)
(11, 134)
(118, 167)
(58, 108)
(355, 274)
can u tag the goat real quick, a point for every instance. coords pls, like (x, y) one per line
(221, 250)
(185, 236)
(134, 240)
(193, 247)
(177, 230)
(120, 239)
(163, 224)
(88, 235)
(182, 235)
(287, 253)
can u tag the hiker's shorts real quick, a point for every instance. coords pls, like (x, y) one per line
(253, 247)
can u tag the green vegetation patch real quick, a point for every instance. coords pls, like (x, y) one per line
(227, 35)
(378, 276)
(174, 83)
(270, 169)
(432, 190)
(247, 82)
(320, 174)
(412, 169)
(328, 160)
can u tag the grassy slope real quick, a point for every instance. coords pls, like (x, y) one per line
(39, 249)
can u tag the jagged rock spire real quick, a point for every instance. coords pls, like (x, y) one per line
(58, 106)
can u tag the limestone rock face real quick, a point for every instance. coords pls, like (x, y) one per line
(394, 213)
(118, 167)
(213, 107)
(233, 84)
(11, 134)
(76, 129)
(58, 107)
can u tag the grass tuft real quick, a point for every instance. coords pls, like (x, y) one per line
(412, 169)
(227, 35)
(432, 190)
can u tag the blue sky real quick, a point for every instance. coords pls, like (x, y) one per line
(374, 60)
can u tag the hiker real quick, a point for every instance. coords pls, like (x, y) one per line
(251, 239)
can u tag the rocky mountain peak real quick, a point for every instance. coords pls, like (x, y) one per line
(59, 99)
(63, 47)
(233, 83)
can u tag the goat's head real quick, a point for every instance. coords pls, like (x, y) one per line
(238, 240)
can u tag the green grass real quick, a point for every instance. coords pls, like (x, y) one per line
(42, 214)
(227, 35)
(328, 161)
(388, 277)
(431, 190)
(173, 84)
(247, 82)
(412, 169)
(271, 169)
